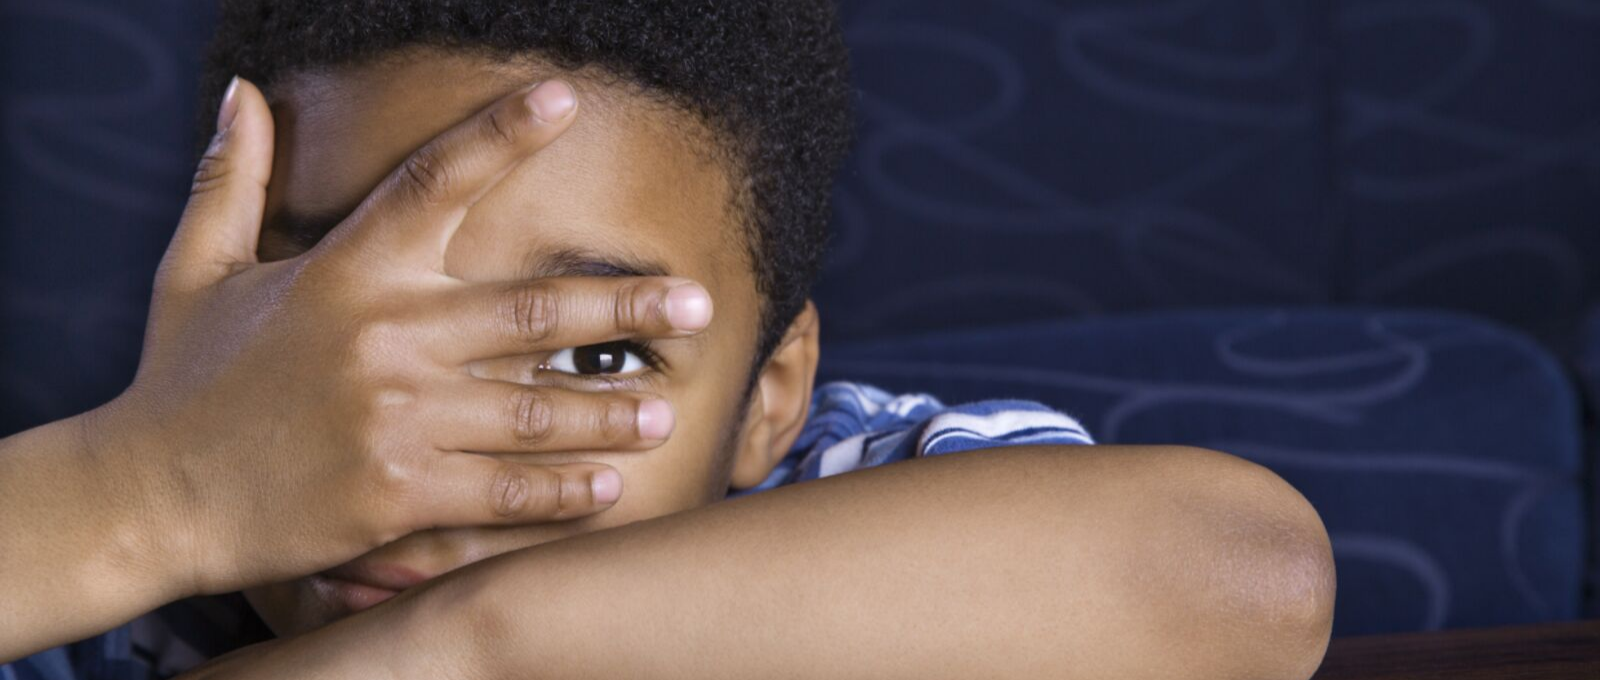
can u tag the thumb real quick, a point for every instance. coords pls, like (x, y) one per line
(222, 223)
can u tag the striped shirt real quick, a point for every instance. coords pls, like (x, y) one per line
(851, 426)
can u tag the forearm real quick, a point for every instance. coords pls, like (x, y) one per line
(74, 542)
(1093, 562)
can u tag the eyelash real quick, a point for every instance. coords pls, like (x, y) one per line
(653, 361)
(649, 355)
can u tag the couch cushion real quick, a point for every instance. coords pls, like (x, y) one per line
(1441, 451)
(1020, 161)
(1469, 147)
(1029, 160)
(97, 102)
(1589, 369)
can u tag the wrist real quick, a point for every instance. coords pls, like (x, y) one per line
(144, 526)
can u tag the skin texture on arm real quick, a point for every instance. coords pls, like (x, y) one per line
(73, 553)
(1075, 562)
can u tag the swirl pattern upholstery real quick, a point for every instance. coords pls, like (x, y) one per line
(1115, 155)
(1180, 220)
(1028, 160)
(97, 115)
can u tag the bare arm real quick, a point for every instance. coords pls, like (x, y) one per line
(1083, 562)
(75, 548)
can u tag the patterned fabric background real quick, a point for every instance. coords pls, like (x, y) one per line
(1022, 162)
(1111, 155)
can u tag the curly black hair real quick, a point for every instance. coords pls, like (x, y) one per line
(769, 78)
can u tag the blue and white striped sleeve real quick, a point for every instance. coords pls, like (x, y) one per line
(854, 426)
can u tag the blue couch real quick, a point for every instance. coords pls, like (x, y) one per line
(1348, 239)
(1442, 451)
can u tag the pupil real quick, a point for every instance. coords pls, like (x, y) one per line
(597, 359)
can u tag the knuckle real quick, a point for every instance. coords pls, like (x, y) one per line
(533, 313)
(510, 492)
(390, 477)
(386, 410)
(533, 420)
(617, 421)
(388, 489)
(390, 399)
(624, 314)
(548, 494)
(374, 340)
(500, 128)
(571, 494)
(212, 171)
(426, 176)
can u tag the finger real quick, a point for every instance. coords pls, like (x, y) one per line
(412, 215)
(485, 321)
(496, 417)
(466, 490)
(222, 222)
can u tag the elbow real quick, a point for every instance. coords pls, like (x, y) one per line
(1270, 584)
(1289, 600)
(1205, 565)
(1304, 598)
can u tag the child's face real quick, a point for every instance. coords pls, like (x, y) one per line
(629, 179)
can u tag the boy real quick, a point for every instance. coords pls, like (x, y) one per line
(671, 154)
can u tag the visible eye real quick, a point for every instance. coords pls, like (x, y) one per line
(610, 358)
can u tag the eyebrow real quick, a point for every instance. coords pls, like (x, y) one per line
(580, 262)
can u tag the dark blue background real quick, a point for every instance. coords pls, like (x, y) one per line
(1353, 240)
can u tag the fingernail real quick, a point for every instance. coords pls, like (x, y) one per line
(230, 105)
(655, 420)
(688, 307)
(552, 101)
(607, 486)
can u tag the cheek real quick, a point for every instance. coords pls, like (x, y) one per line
(675, 476)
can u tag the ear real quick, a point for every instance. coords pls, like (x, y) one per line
(780, 402)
